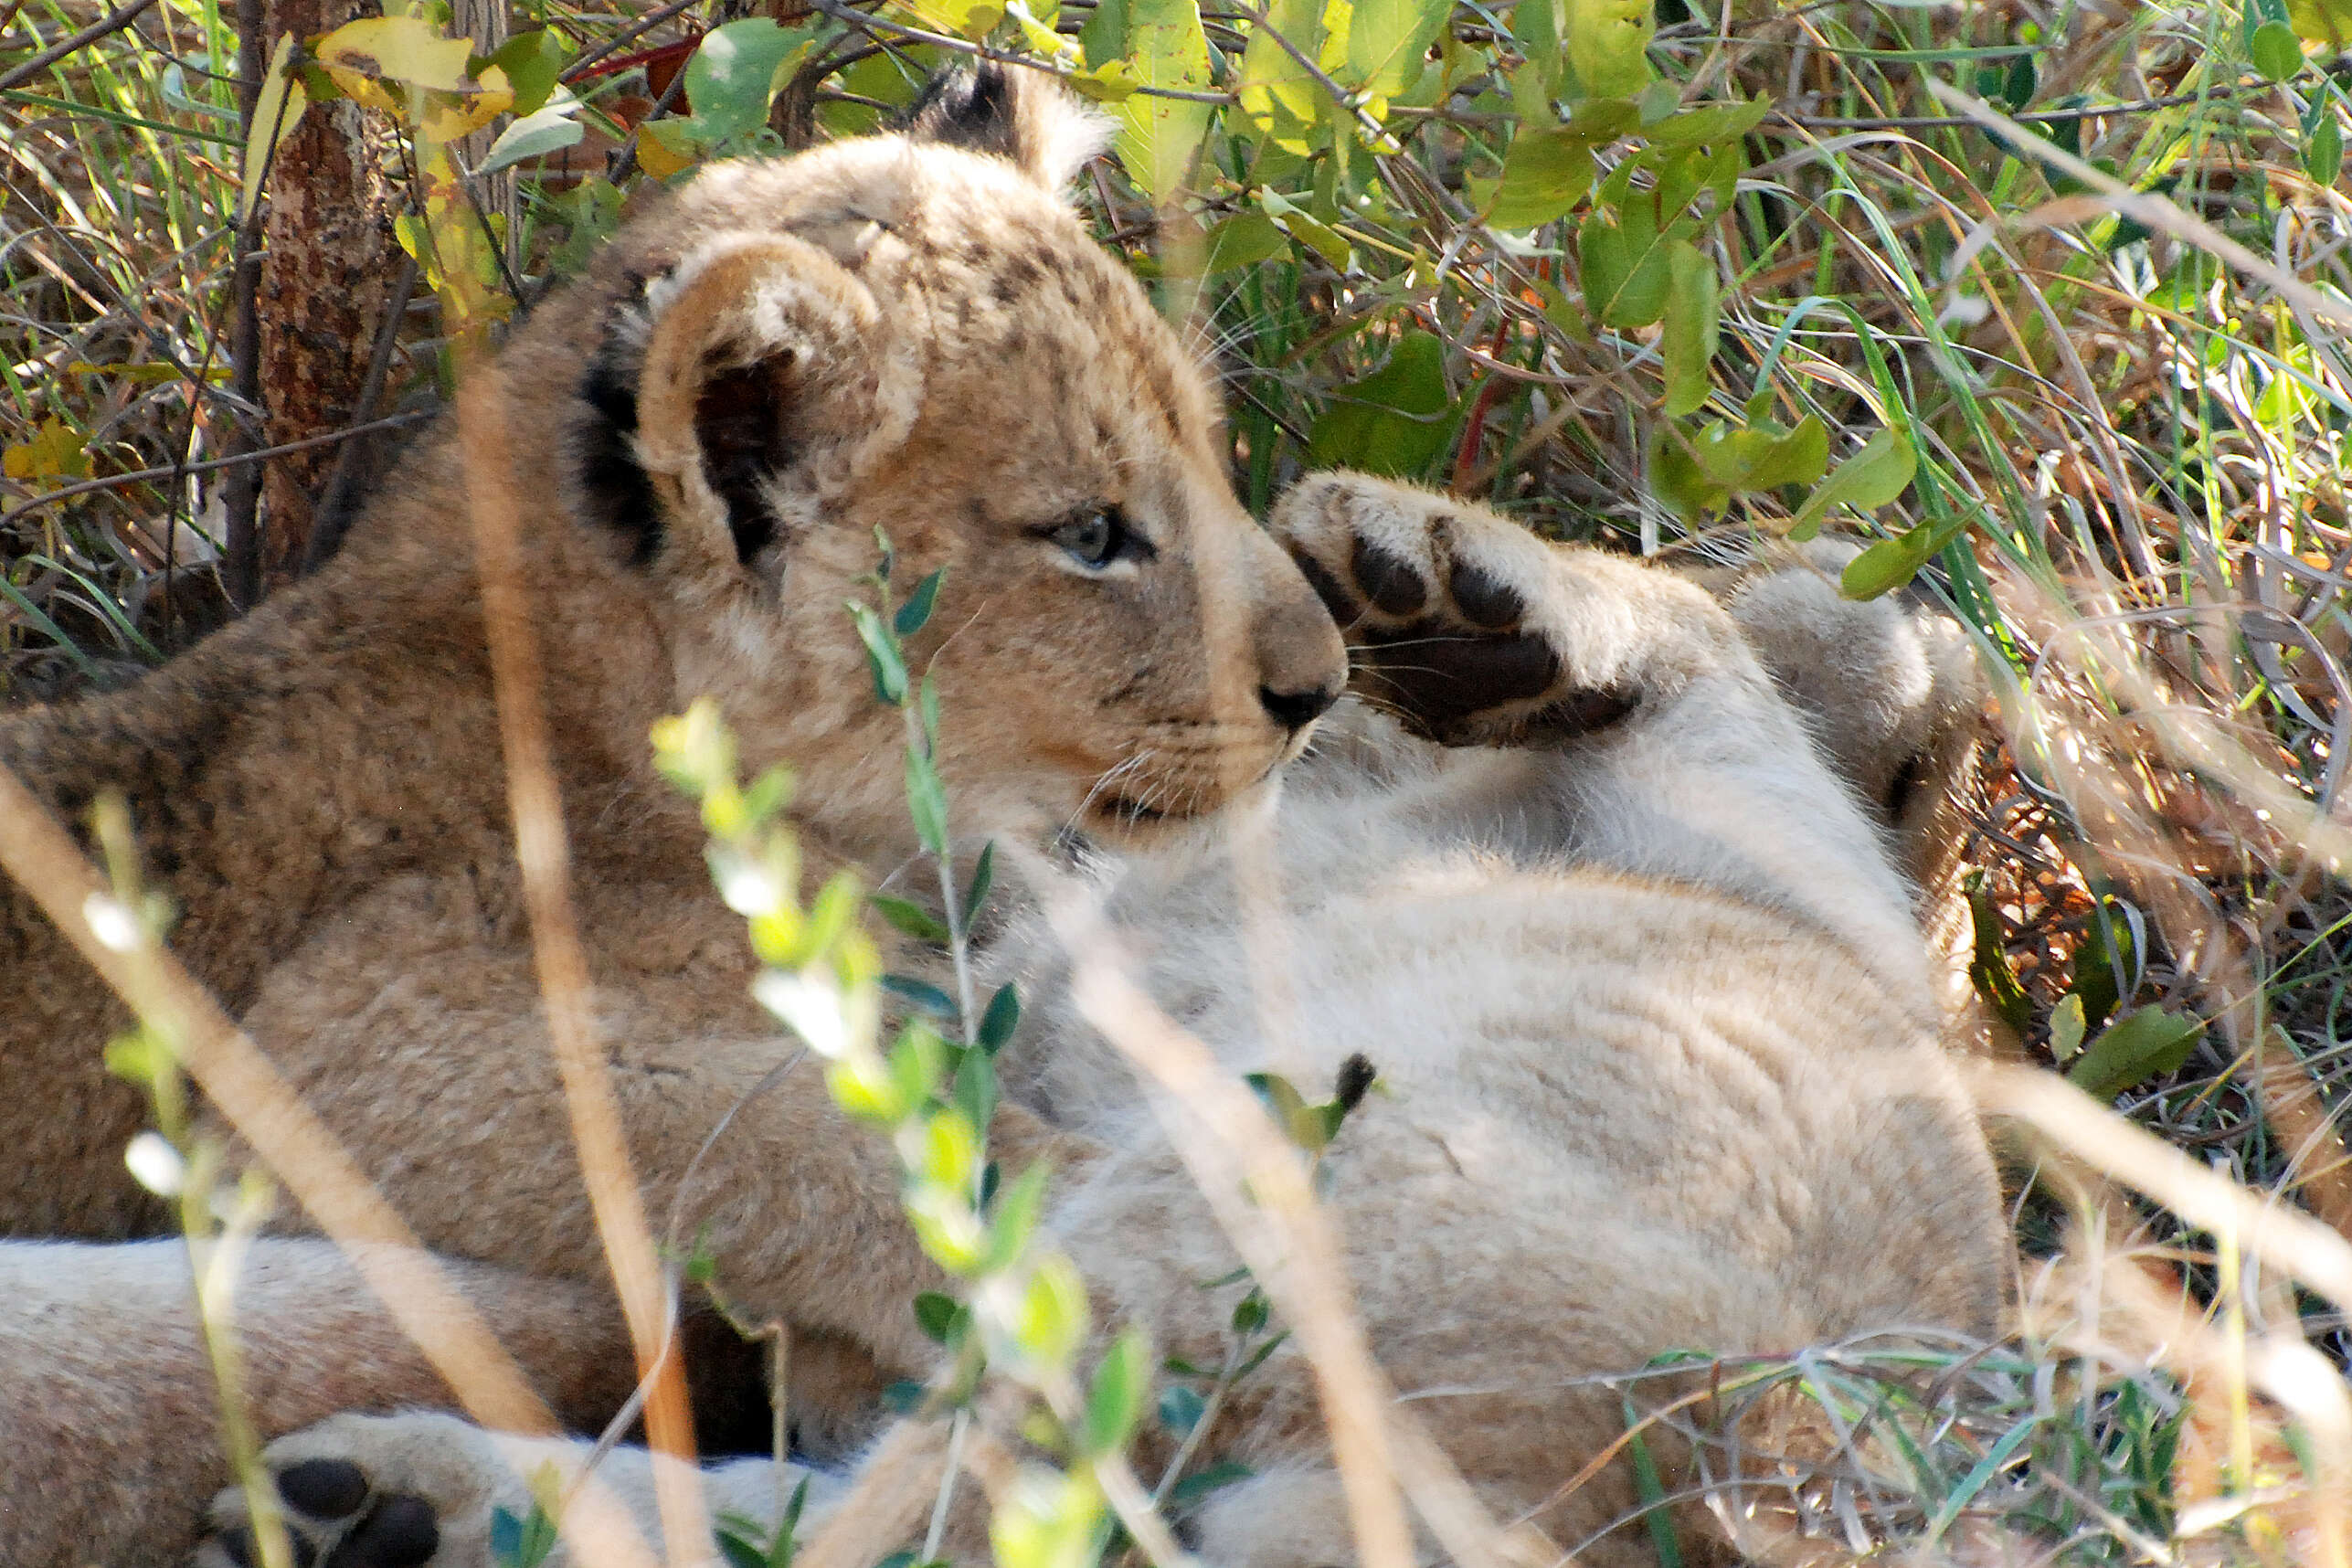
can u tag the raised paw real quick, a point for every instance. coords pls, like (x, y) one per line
(398, 1491)
(1458, 622)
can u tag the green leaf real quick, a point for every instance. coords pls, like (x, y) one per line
(2107, 964)
(1309, 1127)
(543, 131)
(1707, 124)
(1889, 564)
(277, 111)
(1279, 96)
(1053, 1318)
(1607, 44)
(1688, 347)
(534, 64)
(926, 802)
(974, 1089)
(1989, 965)
(1250, 1313)
(937, 1315)
(1181, 1409)
(1242, 240)
(1115, 1402)
(1697, 474)
(1159, 136)
(1195, 1487)
(916, 611)
(882, 655)
(1387, 40)
(1870, 478)
(736, 71)
(983, 878)
(1545, 173)
(1664, 1542)
(2143, 1045)
(921, 995)
(1626, 265)
(1015, 1220)
(1000, 1019)
(2067, 1027)
(2322, 139)
(521, 1541)
(910, 917)
(2327, 22)
(2277, 52)
(1308, 229)
(1392, 422)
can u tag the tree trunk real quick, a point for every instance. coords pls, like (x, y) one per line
(326, 285)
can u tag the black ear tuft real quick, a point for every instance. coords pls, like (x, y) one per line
(739, 419)
(1023, 116)
(968, 107)
(614, 492)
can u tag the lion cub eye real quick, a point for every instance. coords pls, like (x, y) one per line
(1099, 537)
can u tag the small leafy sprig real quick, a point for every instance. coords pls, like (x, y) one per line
(187, 1168)
(1021, 1309)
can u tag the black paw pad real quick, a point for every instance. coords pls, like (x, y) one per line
(1483, 599)
(1389, 581)
(324, 1489)
(402, 1532)
(1436, 677)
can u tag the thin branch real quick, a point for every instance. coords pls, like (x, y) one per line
(173, 470)
(2036, 117)
(331, 515)
(585, 65)
(113, 22)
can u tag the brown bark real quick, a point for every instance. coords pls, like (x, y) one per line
(326, 285)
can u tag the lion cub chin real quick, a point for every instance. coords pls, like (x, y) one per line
(1653, 1021)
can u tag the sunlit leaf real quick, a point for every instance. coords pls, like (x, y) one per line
(1387, 40)
(1871, 477)
(1392, 422)
(1115, 1402)
(407, 50)
(2275, 50)
(1688, 346)
(1607, 43)
(737, 70)
(2138, 1047)
(1159, 136)
(543, 131)
(1278, 94)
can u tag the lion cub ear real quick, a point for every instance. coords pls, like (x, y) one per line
(1023, 115)
(758, 383)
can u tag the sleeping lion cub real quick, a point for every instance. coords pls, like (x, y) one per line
(1548, 847)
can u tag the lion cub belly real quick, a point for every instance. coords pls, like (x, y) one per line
(1676, 1119)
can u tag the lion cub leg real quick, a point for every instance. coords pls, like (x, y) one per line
(1635, 726)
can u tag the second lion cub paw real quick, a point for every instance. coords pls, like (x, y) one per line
(1459, 623)
(365, 1491)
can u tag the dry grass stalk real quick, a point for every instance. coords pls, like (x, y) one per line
(561, 963)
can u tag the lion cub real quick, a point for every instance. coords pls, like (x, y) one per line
(1648, 997)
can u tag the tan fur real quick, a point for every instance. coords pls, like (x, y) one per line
(1648, 991)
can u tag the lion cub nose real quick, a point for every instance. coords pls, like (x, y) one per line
(1296, 710)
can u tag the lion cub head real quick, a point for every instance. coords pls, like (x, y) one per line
(911, 335)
